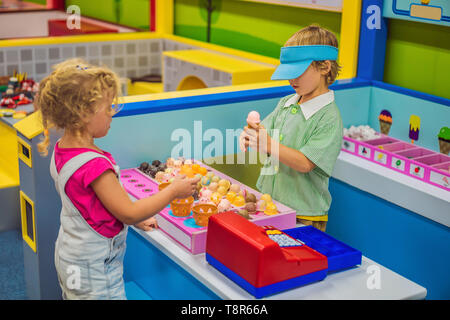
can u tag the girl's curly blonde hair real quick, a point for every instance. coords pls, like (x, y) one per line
(316, 35)
(70, 95)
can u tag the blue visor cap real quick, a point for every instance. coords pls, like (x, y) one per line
(296, 59)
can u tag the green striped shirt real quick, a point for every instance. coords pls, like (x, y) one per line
(319, 138)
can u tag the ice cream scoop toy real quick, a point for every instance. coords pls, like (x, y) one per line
(252, 117)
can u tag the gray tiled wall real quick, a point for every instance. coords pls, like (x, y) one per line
(129, 58)
(176, 70)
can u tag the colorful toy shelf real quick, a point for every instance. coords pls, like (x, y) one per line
(184, 230)
(423, 164)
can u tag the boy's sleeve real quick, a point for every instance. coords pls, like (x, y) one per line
(324, 146)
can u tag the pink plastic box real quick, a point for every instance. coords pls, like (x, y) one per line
(424, 164)
(183, 229)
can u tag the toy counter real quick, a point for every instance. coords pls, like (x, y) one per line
(165, 270)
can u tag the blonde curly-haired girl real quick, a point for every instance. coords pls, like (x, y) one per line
(78, 99)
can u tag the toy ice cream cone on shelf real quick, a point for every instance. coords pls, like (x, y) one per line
(253, 117)
(385, 118)
(444, 140)
(414, 127)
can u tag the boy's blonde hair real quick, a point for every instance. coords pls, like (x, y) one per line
(316, 35)
(70, 95)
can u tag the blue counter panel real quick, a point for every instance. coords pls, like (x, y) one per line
(158, 275)
(403, 241)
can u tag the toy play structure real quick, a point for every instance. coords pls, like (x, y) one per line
(381, 206)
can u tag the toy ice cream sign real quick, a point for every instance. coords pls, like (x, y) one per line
(414, 127)
(444, 140)
(385, 118)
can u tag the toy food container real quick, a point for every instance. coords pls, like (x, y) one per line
(202, 212)
(182, 207)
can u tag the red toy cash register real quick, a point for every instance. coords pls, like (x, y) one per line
(263, 261)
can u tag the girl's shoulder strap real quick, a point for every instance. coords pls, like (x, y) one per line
(71, 166)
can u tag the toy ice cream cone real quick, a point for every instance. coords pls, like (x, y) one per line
(444, 140)
(253, 117)
(385, 118)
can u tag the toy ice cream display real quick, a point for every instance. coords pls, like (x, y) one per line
(414, 127)
(275, 261)
(421, 163)
(187, 221)
(361, 133)
(385, 118)
(444, 140)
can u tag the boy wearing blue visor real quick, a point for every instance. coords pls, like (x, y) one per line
(308, 125)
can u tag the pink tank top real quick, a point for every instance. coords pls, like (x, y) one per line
(80, 192)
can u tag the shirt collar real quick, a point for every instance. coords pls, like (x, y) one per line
(310, 107)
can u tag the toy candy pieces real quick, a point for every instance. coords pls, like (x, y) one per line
(385, 119)
(250, 207)
(250, 197)
(244, 213)
(154, 168)
(224, 205)
(239, 201)
(271, 209)
(205, 195)
(216, 198)
(444, 140)
(414, 127)
(235, 188)
(361, 133)
(187, 170)
(265, 204)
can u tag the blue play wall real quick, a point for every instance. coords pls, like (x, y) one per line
(401, 240)
(143, 130)
(413, 246)
(434, 113)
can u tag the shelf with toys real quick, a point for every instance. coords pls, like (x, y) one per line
(185, 220)
(418, 162)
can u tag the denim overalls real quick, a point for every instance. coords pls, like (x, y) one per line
(89, 265)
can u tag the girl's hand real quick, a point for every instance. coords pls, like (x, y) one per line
(147, 225)
(183, 187)
(256, 137)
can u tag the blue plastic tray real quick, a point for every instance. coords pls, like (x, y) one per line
(271, 289)
(340, 256)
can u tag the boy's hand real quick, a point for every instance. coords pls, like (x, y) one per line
(184, 187)
(256, 137)
(147, 225)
